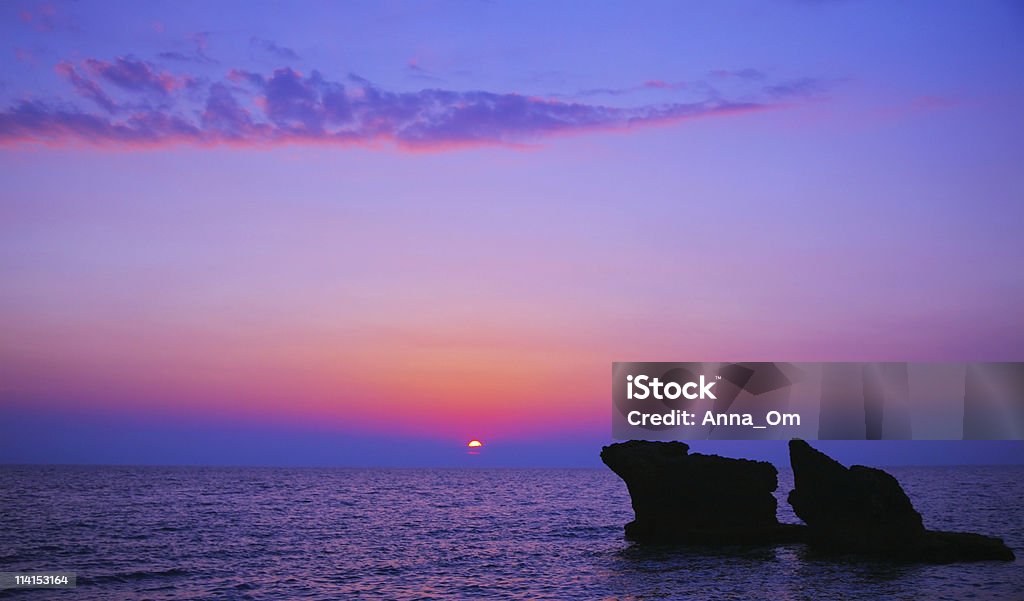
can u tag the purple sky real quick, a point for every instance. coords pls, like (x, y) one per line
(338, 232)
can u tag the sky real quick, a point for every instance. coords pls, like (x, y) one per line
(365, 233)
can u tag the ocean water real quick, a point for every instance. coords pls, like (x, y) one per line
(269, 533)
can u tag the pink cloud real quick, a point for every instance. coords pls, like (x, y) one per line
(287, 107)
(134, 75)
(44, 18)
(658, 84)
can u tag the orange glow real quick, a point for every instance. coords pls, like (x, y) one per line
(474, 444)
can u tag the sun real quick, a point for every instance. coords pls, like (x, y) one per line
(473, 444)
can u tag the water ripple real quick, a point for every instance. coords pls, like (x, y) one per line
(260, 533)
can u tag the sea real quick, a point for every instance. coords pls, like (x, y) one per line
(304, 533)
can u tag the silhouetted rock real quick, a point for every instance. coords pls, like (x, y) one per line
(864, 510)
(861, 507)
(692, 498)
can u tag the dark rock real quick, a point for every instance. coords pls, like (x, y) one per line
(860, 507)
(680, 497)
(864, 510)
(950, 547)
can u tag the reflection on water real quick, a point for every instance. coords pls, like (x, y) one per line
(252, 533)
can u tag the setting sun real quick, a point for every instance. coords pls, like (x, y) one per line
(474, 444)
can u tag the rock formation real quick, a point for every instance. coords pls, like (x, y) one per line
(864, 510)
(680, 497)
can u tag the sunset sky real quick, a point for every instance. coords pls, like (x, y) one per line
(359, 233)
